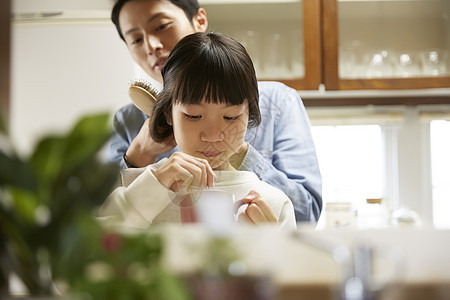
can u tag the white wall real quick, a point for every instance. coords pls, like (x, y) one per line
(61, 71)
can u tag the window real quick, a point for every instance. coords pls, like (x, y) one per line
(440, 172)
(351, 162)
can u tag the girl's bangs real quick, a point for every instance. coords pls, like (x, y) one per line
(213, 83)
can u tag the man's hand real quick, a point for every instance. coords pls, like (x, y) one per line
(144, 151)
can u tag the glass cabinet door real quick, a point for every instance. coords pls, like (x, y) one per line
(273, 34)
(389, 44)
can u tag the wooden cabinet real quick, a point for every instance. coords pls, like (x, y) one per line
(344, 45)
(283, 37)
(379, 44)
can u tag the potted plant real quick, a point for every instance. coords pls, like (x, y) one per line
(224, 274)
(49, 237)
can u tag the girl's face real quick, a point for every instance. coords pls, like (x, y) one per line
(210, 131)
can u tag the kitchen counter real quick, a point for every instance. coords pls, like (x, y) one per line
(310, 264)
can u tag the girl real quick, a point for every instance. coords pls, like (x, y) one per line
(210, 97)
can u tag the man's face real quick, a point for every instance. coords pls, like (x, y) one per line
(151, 29)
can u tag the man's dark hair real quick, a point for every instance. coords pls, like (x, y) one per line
(190, 8)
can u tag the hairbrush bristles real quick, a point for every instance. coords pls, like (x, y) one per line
(146, 85)
(143, 94)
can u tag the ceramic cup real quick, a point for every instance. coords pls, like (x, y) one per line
(217, 209)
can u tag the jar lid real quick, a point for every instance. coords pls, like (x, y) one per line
(338, 206)
(374, 200)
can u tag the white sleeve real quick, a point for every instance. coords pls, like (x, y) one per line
(137, 204)
(281, 205)
(287, 217)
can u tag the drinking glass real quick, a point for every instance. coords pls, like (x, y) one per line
(250, 39)
(380, 64)
(297, 53)
(351, 60)
(408, 65)
(434, 62)
(275, 58)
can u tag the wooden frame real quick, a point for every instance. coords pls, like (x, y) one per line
(313, 49)
(362, 101)
(330, 42)
(5, 38)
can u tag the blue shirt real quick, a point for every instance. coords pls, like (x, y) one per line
(281, 149)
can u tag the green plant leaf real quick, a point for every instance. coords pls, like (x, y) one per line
(47, 158)
(3, 123)
(20, 257)
(24, 205)
(55, 156)
(15, 172)
(86, 139)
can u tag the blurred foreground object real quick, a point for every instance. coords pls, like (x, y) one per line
(49, 238)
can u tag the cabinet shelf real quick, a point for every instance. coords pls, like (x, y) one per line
(234, 2)
(375, 97)
(390, 1)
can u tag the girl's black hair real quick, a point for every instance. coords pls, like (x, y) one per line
(190, 8)
(205, 66)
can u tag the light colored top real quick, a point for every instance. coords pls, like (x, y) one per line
(281, 149)
(142, 200)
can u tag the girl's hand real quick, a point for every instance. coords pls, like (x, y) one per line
(183, 170)
(144, 151)
(258, 211)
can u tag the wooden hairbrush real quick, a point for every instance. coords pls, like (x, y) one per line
(143, 95)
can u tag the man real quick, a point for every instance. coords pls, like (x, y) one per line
(280, 151)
